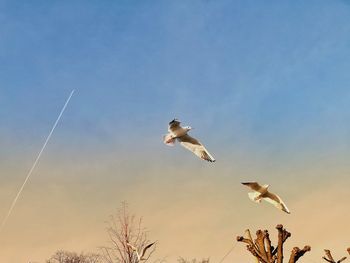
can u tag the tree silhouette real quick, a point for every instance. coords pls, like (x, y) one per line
(62, 256)
(264, 252)
(124, 230)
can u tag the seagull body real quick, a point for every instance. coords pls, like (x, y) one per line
(261, 192)
(177, 132)
(140, 257)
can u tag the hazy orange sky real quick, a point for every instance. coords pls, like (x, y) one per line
(265, 84)
(193, 210)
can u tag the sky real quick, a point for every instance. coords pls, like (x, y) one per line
(263, 83)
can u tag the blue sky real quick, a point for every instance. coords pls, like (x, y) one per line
(269, 69)
(264, 81)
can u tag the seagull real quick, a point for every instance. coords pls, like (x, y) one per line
(140, 257)
(176, 132)
(261, 192)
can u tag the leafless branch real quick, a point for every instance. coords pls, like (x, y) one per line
(329, 258)
(262, 249)
(124, 229)
(297, 253)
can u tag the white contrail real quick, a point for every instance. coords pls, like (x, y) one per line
(35, 163)
(228, 253)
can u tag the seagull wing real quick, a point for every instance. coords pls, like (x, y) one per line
(196, 147)
(169, 140)
(145, 249)
(174, 125)
(276, 201)
(253, 185)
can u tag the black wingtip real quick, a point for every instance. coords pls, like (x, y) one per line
(174, 120)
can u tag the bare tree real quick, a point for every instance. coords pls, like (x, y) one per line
(183, 260)
(264, 252)
(329, 258)
(62, 256)
(127, 238)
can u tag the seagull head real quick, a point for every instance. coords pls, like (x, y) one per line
(188, 128)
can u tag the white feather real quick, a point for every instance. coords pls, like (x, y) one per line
(253, 196)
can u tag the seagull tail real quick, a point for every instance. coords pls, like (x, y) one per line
(169, 140)
(212, 159)
(285, 208)
(253, 196)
